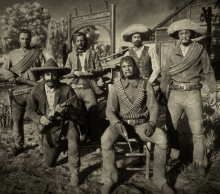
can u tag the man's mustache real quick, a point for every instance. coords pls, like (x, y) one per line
(50, 80)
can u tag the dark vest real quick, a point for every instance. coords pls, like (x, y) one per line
(144, 62)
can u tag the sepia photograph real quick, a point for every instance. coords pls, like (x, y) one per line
(110, 97)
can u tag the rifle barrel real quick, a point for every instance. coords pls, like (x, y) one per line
(64, 103)
(114, 54)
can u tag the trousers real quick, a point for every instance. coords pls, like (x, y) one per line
(109, 169)
(191, 103)
(87, 96)
(18, 111)
(51, 154)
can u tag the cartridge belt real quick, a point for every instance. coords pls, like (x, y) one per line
(136, 121)
(80, 86)
(183, 87)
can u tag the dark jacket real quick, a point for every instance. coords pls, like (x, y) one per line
(37, 105)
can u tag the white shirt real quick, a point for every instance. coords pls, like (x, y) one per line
(82, 57)
(154, 60)
(50, 93)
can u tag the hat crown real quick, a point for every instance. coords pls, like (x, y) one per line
(50, 63)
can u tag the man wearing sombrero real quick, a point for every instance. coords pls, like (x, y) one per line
(184, 65)
(144, 56)
(44, 98)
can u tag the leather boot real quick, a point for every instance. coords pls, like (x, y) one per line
(105, 189)
(16, 150)
(166, 189)
(74, 180)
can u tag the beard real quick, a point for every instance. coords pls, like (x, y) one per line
(81, 48)
(137, 43)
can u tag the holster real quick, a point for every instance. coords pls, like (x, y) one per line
(168, 90)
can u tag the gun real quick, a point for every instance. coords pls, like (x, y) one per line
(51, 115)
(58, 107)
(126, 138)
(26, 81)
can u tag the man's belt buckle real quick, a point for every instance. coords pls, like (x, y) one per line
(182, 87)
(131, 122)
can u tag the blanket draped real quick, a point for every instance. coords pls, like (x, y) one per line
(26, 62)
(192, 55)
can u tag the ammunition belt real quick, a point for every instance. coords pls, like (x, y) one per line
(136, 106)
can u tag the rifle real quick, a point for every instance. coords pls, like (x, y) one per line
(58, 108)
(26, 81)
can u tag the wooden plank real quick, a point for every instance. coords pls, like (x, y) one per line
(106, 19)
(92, 16)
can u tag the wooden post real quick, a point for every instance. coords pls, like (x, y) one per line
(208, 19)
(89, 7)
(69, 32)
(75, 10)
(209, 31)
(106, 4)
(148, 150)
(112, 30)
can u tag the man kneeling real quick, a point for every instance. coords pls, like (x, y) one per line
(48, 97)
(129, 99)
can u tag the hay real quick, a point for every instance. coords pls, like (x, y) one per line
(5, 111)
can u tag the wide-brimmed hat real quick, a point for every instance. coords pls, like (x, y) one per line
(185, 24)
(51, 65)
(141, 29)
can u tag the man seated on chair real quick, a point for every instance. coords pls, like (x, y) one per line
(44, 98)
(129, 101)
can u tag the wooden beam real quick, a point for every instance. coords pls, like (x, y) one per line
(112, 32)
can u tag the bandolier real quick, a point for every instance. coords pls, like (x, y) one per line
(131, 112)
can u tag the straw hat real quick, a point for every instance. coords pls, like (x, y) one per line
(136, 29)
(51, 65)
(185, 24)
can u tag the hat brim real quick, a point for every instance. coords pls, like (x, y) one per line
(141, 29)
(185, 24)
(61, 70)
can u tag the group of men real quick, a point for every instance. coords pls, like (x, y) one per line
(132, 108)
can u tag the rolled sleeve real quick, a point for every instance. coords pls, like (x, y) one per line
(165, 73)
(112, 107)
(152, 103)
(155, 65)
(208, 72)
(5, 69)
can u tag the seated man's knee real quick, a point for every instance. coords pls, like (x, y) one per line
(162, 141)
(106, 142)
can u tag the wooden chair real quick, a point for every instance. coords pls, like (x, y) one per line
(145, 151)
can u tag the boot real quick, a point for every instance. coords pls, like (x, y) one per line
(74, 180)
(105, 189)
(166, 189)
(16, 150)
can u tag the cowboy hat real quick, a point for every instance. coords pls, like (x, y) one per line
(185, 24)
(51, 65)
(141, 29)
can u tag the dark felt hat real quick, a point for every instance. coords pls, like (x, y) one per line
(51, 65)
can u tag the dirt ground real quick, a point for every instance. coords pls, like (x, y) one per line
(27, 174)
